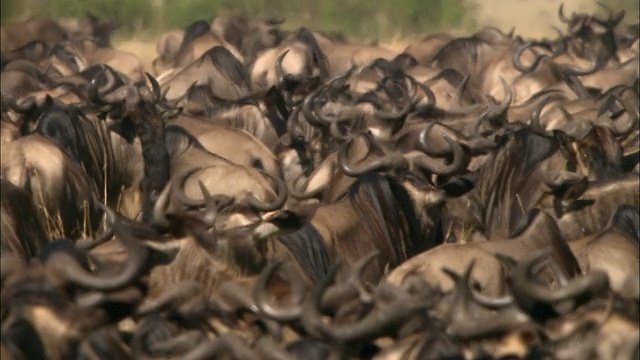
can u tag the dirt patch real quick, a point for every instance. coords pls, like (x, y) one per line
(531, 18)
(143, 48)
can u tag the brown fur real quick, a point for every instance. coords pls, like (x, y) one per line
(58, 186)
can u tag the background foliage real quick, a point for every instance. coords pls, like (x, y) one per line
(358, 19)
(355, 18)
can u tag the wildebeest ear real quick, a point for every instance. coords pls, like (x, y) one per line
(452, 76)
(610, 146)
(294, 219)
(287, 220)
(285, 140)
(274, 21)
(506, 260)
(630, 161)
(405, 61)
(370, 97)
(161, 253)
(563, 142)
(306, 37)
(457, 186)
(24, 339)
(627, 220)
(610, 104)
(274, 98)
(48, 101)
(117, 304)
(561, 137)
(229, 66)
(563, 207)
(615, 19)
(311, 349)
(524, 222)
(63, 245)
(566, 188)
(567, 185)
(92, 17)
(279, 223)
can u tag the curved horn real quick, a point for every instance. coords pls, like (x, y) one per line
(174, 297)
(401, 114)
(28, 104)
(500, 109)
(281, 191)
(213, 203)
(96, 92)
(268, 349)
(340, 82)
(561, 14)
(307, 110)
(178, 344)
(534, 124)
(158, 209)
(466, 110)
(528, 293)
(606, 8)
(279, 70)
(335, 132)
(90, 244)
(298, 194)
(424, 144)
(431, 97)
(391, 161)
(563, 47)
(515, 59)
(354, 285)
(227, 344)
(66, 267)
(178, 189)
(261, 294)
(399, 307)
(491, 303)
(154, 86)
(633, 117)
(427, 163)
(572, 70)
(615, 19)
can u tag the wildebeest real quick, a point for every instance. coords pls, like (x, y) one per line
(296, 195)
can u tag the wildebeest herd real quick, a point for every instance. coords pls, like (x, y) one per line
(268, 194)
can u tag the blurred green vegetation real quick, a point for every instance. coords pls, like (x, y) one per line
(354, 18)
(357, 19)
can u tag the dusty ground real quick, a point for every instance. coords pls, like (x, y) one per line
(143, 48)
(531, 18)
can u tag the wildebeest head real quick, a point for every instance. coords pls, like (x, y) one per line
(591, 150)
(218, 69)
(89, 27)
(194, 30)
(249, 35)
(297, 64)
(593, 33)
(34, 51)
(101, 29)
